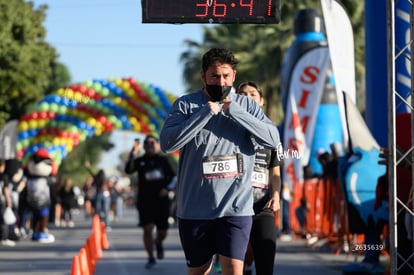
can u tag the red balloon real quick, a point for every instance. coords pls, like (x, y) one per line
(82, 89)
(43, 114)
(51, 115)
(43, 132)
(90, 93)
(33, 115)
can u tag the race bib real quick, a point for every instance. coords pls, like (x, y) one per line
(260, 177)
(156, 174)
(225, 166)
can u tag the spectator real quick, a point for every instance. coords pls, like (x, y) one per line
(103, 197)
(89, 192)
(57, 201)
(5, 202)
(67, 195)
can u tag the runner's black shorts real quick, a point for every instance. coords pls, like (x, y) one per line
(155, 211)
(202, 239)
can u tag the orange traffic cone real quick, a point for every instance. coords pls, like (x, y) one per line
(76, 269)
(95, 241)
(84, 262)
(90, 256)
(96, 225)
(104, 238)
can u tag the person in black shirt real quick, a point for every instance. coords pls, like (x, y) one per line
(154, 175)
(266, 184)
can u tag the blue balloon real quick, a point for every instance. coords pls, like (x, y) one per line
(23, 135)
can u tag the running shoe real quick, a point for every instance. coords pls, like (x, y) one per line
(160, 251)
(8, 242)
(217, 267)
(151, 263)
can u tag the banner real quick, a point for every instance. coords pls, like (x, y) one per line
(304, 95)
(8, 136)
(341, 48)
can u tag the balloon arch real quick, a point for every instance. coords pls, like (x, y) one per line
(60, 121)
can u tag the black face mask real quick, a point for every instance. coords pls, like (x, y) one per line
(217, 92)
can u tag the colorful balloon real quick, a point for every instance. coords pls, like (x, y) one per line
(61, 120)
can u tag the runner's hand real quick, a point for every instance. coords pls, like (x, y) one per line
(214, 107)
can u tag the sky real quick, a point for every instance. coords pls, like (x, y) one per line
(100, 39)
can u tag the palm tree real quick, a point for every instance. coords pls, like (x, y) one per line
(260, 49)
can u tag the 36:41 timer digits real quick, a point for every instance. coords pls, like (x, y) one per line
(218, 8)
(211, 11)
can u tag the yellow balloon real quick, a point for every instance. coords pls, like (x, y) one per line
(118, 100)
(132, 120)
(91, 121)
(125, 85)
(33, 124)
(129, 92)
(99, 127)
(137, 127)
(61, 92)
(69, 142)
(56, 141)
(118, 82)
(23, 126)
(41, 123)
(78, 97)
(69, 148)
(69, 93)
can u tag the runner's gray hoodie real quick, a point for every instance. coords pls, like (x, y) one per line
(211, 145)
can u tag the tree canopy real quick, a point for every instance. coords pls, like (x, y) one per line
(29, 66)
(29, 70)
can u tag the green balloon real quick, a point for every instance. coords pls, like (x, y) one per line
(97, 87)
(63, 109)
(104, 92)
(44, 106)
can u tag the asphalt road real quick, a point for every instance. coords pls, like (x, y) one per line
(126, 254)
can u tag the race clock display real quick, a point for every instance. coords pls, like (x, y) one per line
(211, 11)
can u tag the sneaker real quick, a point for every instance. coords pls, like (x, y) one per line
(45, 238)
(23, 233)
(8, 242)
(217, 267)
(285, 238)
(151, 263)
(35, 236)
(71, 224)
(160, 251)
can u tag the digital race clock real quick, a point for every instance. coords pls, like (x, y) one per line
(210, 11)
